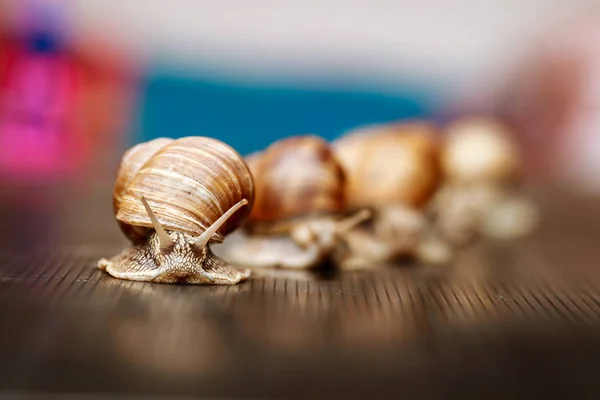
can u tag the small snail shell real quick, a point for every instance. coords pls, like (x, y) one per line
(390, 164)
(479, 149)
(298, 219)
(296, 177)
(183, 195)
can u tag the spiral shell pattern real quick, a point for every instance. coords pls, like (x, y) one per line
(295, 177)
(189, 184)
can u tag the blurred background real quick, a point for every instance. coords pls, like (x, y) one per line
(82, 80)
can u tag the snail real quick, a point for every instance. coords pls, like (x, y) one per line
(172, 199)
(481, 166)
(394, 170)
(299, 215)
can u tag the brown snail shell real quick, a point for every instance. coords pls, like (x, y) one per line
(296, 177)
(189, 184)
(172, 199)
(390, 164)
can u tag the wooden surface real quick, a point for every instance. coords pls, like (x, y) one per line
(507, 320)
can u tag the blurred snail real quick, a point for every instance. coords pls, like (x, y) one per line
(392, 169)
(481, 166)
(479, 150)
(299, 215)
(172, 198)
(398, 163)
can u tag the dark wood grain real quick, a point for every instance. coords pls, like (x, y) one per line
(507, 320)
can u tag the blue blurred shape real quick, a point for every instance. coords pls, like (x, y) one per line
(251, 116)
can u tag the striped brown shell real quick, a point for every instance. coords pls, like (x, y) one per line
(295, 177)
(392, 163)
(189, 184)
(131, 162)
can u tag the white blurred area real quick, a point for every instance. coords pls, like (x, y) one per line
(459, 44)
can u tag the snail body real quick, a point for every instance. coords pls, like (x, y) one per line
(298, 219)
(172, 199)
(394, 170)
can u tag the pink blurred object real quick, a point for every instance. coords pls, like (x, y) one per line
(65, 97)
(37, 136)
(555, 106)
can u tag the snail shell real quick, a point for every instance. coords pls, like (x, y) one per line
(296, 177)
(189, 184)
(390, 164)
(479, 150)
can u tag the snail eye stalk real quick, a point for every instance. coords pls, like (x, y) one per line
(163, 237)
(203, 239)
